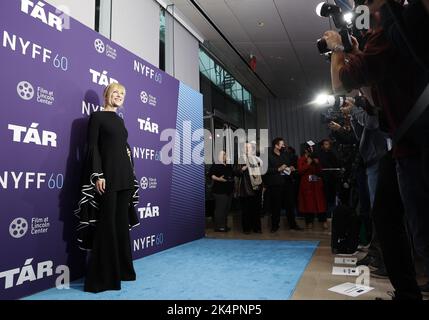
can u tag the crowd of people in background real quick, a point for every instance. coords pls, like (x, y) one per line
(301, 186)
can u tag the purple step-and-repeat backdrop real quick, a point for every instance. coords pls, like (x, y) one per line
(52, 77)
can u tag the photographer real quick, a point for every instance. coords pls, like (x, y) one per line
(346, 147)
(354, 179)
(342, 133)
(329, 163)
(401, 24)
(392, 81)
(373, 141)
(373, 145)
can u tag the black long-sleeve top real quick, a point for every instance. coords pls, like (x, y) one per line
(108, 151)
(328, 159)
(227, 172)
(273, 177)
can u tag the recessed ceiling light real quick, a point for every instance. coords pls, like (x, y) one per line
(261, 24)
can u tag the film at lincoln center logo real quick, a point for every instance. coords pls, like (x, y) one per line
(144, 183)
(18, 228)
(25, 90)
(104, 48)
(99, 46)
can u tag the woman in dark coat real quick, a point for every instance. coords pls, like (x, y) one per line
(311, 196)
(108, 196)
(222, 175)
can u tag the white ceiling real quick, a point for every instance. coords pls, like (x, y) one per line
(287, 57)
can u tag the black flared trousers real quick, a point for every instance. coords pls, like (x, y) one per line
(251, 212)
(110, 260)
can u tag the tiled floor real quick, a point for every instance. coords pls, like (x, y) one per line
(317, 278)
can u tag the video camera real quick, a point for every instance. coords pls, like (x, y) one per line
(333, 103)
(332, 115)
(342, 21)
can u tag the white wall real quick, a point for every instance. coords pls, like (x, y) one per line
(187, 57)
(182, 54)
(135, 26)
(81, 10)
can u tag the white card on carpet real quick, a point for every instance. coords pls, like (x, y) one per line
(345, 260)
(351, 289)
(348, 254)
(344, 271)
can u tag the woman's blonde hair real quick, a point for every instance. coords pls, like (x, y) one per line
(109, 90)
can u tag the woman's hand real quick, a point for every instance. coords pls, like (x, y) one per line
(100, 185)
(219, 179)
(309, 160)
(243, 168)
(282, 168)
(334, 126)
(355, 45)
(332, 38)
(222, 179)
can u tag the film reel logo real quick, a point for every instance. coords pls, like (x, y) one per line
(18, 228)
(25, 90)
(99, 46)
(144, 97)
(144, 183)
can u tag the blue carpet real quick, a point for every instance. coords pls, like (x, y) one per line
(209, 269)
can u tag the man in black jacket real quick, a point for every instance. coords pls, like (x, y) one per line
(279, 167)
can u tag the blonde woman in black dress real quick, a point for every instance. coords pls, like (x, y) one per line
(109, 194)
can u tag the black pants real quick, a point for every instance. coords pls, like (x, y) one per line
(290, 202)
(330, 189)
(110, 259)
(277, 193)
(388, 215)
(250, 208)
(309, 217)
(223, 206)
(364, 202)
(374, 249)
(265, 208)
